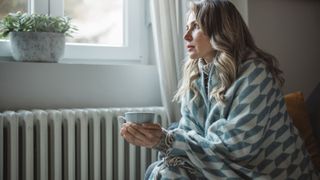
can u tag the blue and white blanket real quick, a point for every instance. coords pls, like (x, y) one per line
(250, 137)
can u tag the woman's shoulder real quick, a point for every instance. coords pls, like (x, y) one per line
(251, 63)
(253, 71)
(252, 67)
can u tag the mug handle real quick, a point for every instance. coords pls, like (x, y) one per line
(157, 118)
(122, 118)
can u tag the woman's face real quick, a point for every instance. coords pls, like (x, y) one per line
(197, 42)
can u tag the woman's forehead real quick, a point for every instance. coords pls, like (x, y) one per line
(191, 18)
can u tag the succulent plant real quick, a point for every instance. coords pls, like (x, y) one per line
(23, 22)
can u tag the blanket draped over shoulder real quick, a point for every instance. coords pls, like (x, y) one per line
(249, 136)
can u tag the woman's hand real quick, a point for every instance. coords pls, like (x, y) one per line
(147, 135)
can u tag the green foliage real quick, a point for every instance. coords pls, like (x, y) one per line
(17, 22)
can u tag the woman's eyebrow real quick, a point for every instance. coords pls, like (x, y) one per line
(191, 24)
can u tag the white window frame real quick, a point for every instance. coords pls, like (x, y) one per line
(135, 41)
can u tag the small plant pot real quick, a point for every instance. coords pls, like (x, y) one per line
(37, 46)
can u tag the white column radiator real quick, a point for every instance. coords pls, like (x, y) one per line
(71, 144)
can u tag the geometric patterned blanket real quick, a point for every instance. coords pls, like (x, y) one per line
(251, 136)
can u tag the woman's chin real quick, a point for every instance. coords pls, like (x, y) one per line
(193, 56)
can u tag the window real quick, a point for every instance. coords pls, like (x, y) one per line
(105, 15)
(108, 29)
(7, 6)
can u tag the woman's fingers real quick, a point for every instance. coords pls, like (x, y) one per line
(129, 136)
(139, 135)
(150, 133)
(147, 135)
(136, 141)
(151, 125)
(136, 133)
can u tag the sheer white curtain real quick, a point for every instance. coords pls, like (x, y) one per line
(167, 18)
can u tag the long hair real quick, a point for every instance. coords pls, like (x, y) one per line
(232, 41)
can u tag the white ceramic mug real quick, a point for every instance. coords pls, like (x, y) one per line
(140, 117)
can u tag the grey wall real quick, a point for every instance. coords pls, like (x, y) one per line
(242, 6)
(45, 85)
(290, 29)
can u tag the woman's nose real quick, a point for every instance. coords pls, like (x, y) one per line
(187, 36)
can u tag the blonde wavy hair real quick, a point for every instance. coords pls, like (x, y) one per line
(232, 41)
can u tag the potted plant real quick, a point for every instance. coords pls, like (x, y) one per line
(36, 37)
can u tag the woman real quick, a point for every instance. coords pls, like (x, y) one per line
(234, 121)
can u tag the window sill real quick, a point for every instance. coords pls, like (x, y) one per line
(79, 62)
(86, 55)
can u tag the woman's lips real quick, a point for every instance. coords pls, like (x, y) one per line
(190, 48)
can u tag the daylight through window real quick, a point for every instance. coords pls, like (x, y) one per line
(98, 21)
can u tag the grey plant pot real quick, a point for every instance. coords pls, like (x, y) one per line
(37, 46)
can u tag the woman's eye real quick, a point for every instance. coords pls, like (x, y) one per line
(192, 27)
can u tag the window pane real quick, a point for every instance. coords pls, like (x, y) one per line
(98, 21)
(7, 6)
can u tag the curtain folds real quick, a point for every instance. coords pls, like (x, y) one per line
(167, 28)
